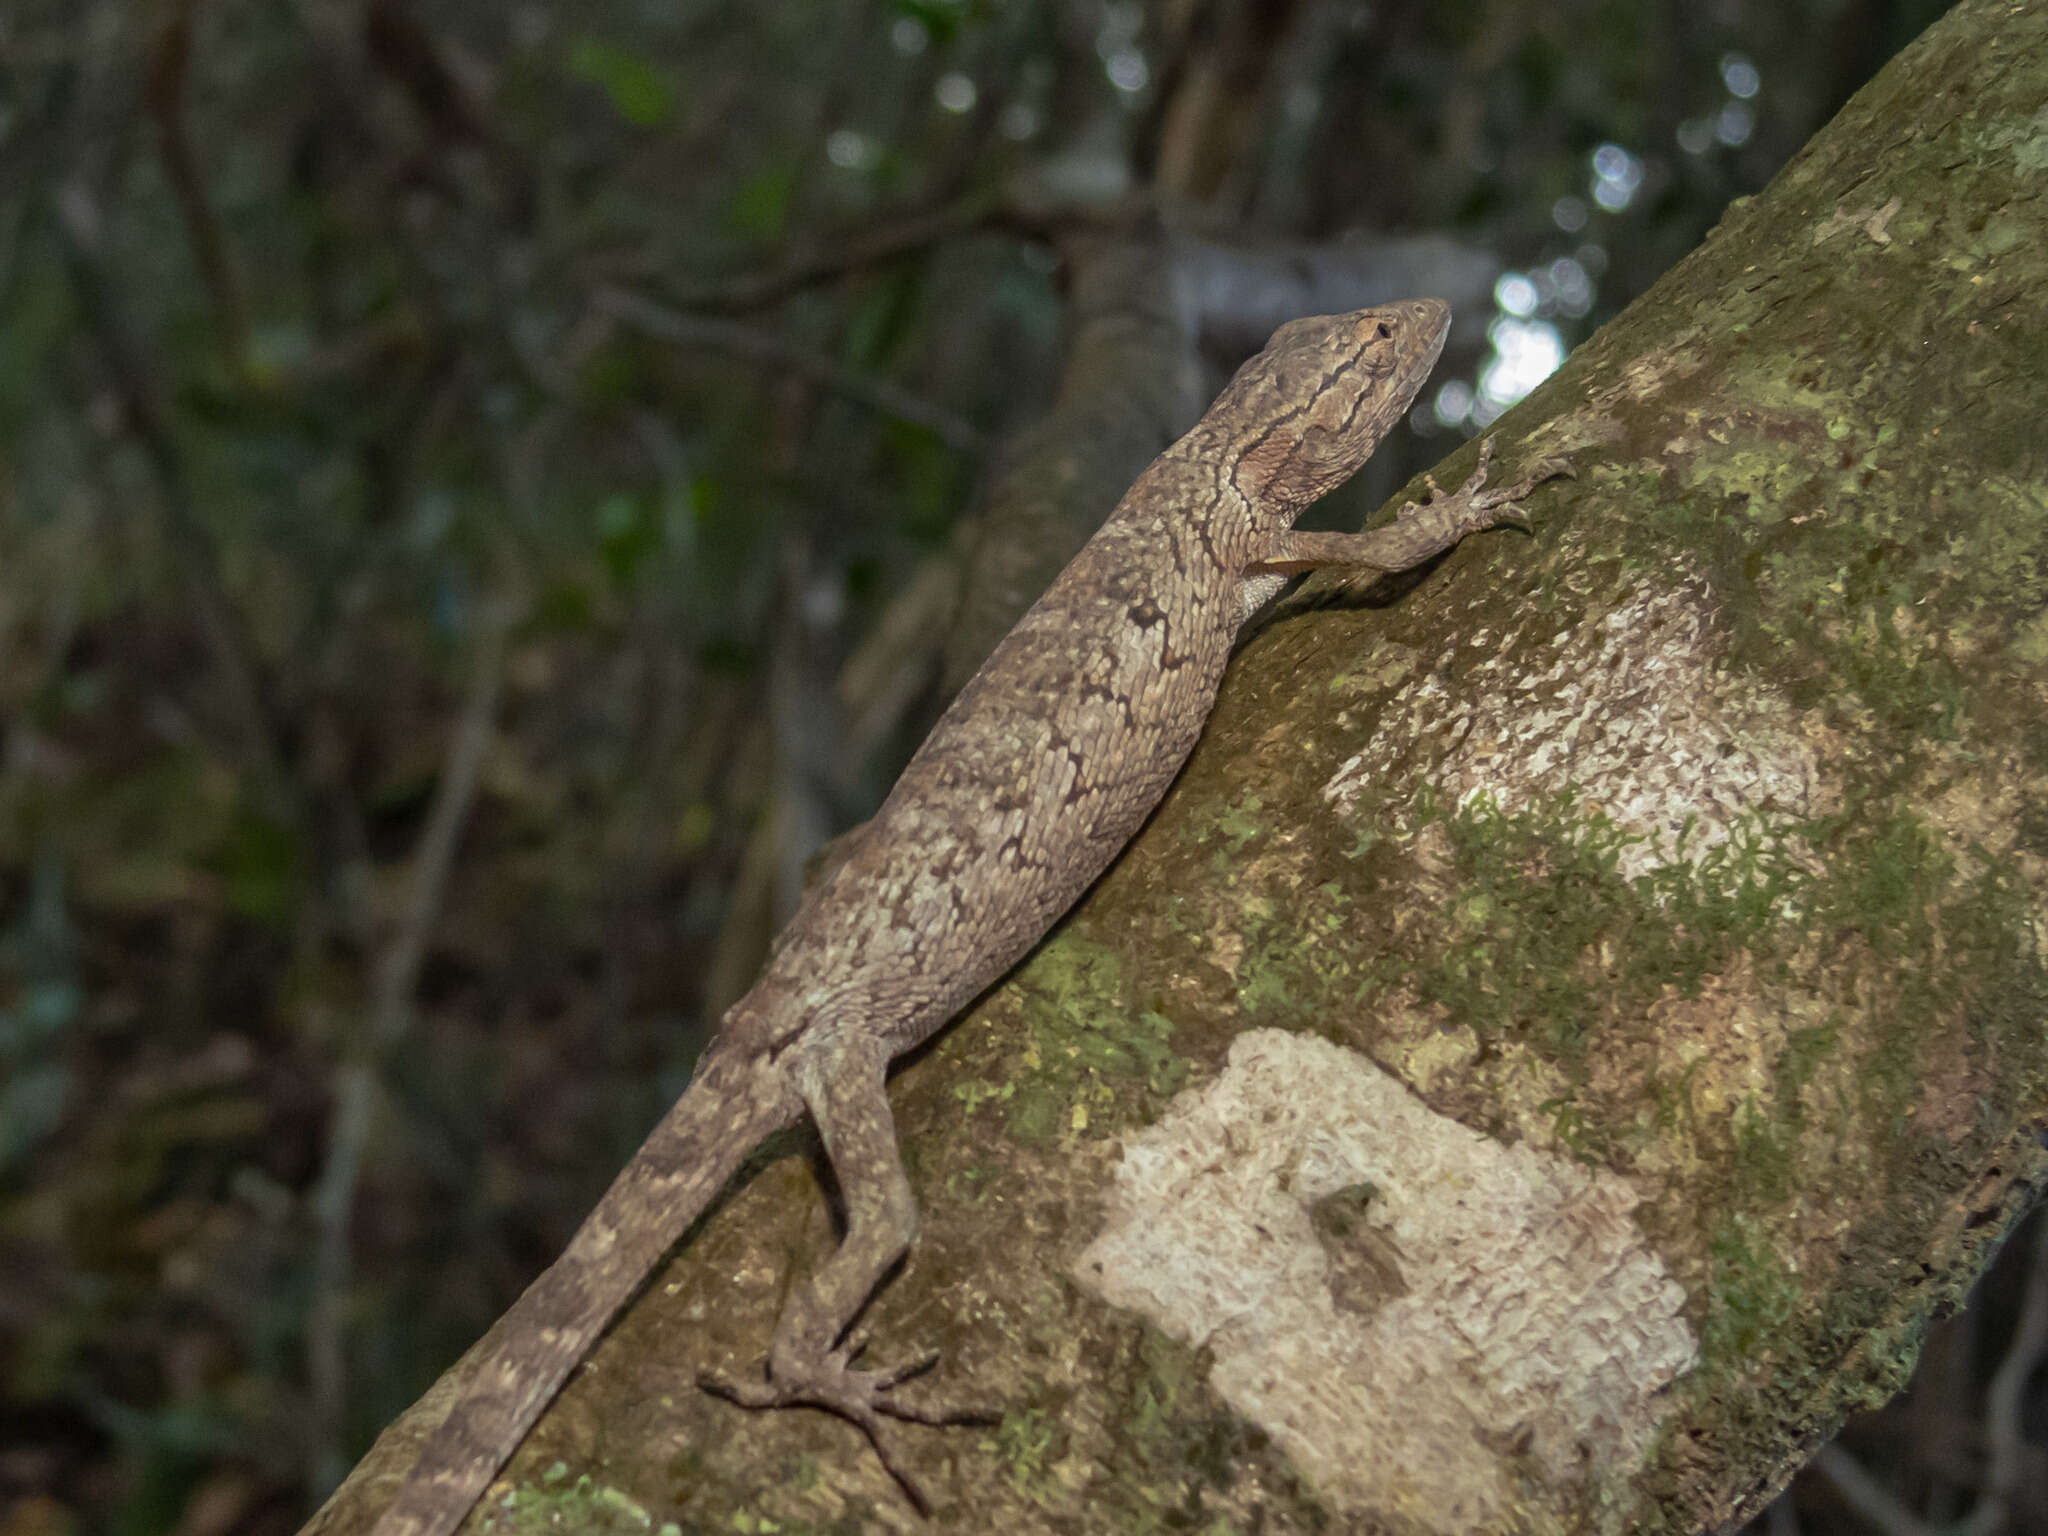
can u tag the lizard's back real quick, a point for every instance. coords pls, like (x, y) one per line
(1036, 776)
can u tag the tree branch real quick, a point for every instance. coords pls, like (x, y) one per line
(395, 976)
(759, 346)
(164, 95)
(235, 654)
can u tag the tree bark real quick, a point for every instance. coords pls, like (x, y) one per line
(1569, 1027)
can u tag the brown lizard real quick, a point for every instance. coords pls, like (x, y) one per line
(1041, 770)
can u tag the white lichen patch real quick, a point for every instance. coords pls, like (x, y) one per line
(1478, 1333)
(1632, 711)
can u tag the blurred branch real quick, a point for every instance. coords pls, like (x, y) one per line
(894, 661)
(2005, 1434)
(759, 346)
(639, 838)
(375, 347)
(390, 1014)
(1471, 91)
(78, 225)
(836, 258)
(847, 81)
(1027, 207)
(1215, 104)
(164, 95)
(28, 161)
(749, 923)
(399, 967)
(1866, 1495)
(428, 69)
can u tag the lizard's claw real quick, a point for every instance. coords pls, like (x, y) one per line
(835, 1386)
(1476, 507)
(864, 1398)
(910, 1370)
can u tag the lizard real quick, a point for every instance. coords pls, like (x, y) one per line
(1040, 770)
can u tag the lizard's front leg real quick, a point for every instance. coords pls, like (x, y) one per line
(1419, 530)
(810, 1358)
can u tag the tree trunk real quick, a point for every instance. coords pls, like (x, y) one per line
(1569, 1027)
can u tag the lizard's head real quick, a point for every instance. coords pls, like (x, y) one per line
(1309, 409)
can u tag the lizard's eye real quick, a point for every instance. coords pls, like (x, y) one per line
(1385, 334)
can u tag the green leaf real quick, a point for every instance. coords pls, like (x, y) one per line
(260, 866)
(567, 605)
(928, 475)
(941, 18)
(639, 92)
(627, 536)
(762, 204)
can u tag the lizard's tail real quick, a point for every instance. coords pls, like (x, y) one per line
(522, 1362)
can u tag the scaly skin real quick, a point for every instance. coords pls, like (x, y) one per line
(1044, 767)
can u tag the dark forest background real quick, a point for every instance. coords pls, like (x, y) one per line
(486, 490)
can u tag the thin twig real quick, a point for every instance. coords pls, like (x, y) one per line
(396, 974)
(326, 1315)
(836, 258)
(663, 632)
(165, 97)
(759, 346)
(748, 927)
(28, 159)
(235, 654)
(1024, 207)
(896, 661)
(398, 968)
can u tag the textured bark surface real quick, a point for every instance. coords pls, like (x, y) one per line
(1682, 870)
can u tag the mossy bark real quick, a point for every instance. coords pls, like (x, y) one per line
(1694, 849)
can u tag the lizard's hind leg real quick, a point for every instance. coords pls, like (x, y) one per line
(810, 1357)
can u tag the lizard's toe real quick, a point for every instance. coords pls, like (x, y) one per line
(831, 1383)
(864, 1398)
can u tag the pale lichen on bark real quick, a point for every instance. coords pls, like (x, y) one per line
(1634, 713)
(1511, 1318)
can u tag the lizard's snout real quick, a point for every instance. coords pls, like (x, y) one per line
(1430, 317)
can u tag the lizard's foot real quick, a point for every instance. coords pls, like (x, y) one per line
(864, 1398)
(1473, 507)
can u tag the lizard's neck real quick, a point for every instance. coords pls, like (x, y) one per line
(1195, 478)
